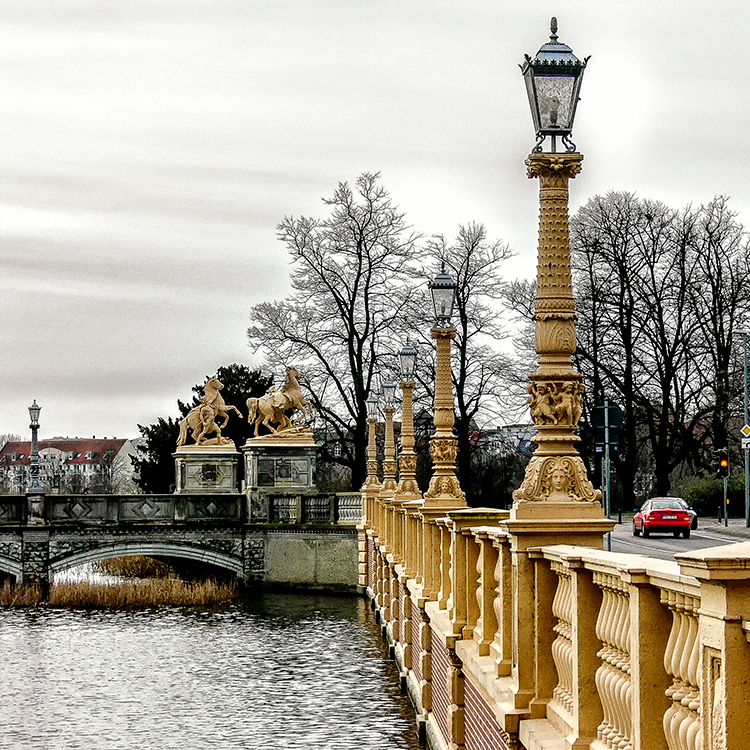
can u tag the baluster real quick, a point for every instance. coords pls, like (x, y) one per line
(682, 723)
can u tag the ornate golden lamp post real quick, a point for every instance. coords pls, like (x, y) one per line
(444, 489)
(407, 461)
(372, 483)
(555, 476)
(388, 488)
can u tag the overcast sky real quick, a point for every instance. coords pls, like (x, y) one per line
(148, 149)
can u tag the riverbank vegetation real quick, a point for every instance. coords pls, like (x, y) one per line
(127, 595)
(146, 583)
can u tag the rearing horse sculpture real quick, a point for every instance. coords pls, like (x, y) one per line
(202, 418)
(272, 407)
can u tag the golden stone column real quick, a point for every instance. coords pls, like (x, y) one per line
(388, 488)
(371, 486)
(444, 489)
(407, 488)
(556, 474)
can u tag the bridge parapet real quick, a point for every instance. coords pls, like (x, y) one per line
(280, 507)
(560, 646)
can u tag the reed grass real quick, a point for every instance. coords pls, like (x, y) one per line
(130, 595)
(134, 566)
(20, 596)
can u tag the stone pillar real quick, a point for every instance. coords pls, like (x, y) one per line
(444, 489)
(555, 484)
(723, 635)
(35, 558)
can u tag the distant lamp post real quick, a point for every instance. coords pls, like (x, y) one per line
(444, 488)
(553, 82)
(388, 487)
(556, 474)
(34, 489)
(407, 488)
(372, 480)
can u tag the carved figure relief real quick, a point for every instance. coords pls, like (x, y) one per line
(272, 408)
(443, 450)
(203, 419)
(556, 403)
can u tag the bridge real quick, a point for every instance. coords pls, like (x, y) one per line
(512, 633)
(296, 539)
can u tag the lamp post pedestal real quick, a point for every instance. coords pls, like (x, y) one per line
(556, 484)
(444, 490)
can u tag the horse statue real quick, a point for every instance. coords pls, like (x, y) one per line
(202, 419)
(271, 408)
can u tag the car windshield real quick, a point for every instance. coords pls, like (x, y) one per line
(666, 505)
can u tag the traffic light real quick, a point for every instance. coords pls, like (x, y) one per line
(722, 463)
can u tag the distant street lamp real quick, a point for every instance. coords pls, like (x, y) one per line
(388, 487)
(372, 449)
(372, 483)
(407, 460)
(34, 489)
(444, 487)
(556, 473)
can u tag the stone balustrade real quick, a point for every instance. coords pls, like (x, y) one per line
(557, 646)
(279, 507)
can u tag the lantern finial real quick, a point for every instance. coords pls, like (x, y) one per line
(553, 29)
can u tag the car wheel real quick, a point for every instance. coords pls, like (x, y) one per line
(636, 531)
(646, 533)
(694, 523)
(686, 533)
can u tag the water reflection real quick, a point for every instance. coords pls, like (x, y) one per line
(276, 671)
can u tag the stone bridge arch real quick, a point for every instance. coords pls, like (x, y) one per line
(10, 566)
(66, 556)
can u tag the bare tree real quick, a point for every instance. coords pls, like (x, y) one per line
(353, 281)
(659, 294)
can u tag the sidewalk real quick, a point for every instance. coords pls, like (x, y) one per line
(736, 527)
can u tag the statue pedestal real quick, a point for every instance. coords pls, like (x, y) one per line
(282, 463)
(283, 460)
(206, 468)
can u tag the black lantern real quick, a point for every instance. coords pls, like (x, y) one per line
(443, 290)
(389, 393)
(372, 407)
(408, 359)
(553, 82)
(34, 410)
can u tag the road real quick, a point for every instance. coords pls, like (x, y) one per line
(665, 546)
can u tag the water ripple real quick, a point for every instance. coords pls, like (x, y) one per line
(277, 671)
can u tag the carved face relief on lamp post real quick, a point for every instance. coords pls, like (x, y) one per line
(555, 474)
(444, 489)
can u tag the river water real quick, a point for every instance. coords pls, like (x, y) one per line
(274, 671)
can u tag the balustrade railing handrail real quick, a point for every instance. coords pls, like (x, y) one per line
(290, 507)
(616, 651)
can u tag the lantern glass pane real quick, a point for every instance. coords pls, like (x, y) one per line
(408, 359)
(555, 101)
(372, 407)
(389, 393)
(442, 299)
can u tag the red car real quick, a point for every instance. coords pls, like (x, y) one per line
(662, 514)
